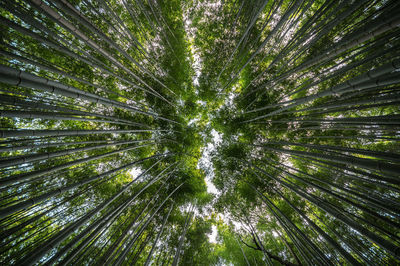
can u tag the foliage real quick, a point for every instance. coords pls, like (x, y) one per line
(116, 117)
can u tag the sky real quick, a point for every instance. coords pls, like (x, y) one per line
(205, 161)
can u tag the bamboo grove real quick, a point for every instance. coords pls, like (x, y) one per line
(116, 116)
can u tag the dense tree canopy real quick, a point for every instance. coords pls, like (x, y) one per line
(200, 132)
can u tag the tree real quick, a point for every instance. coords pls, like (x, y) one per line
(117, 115)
